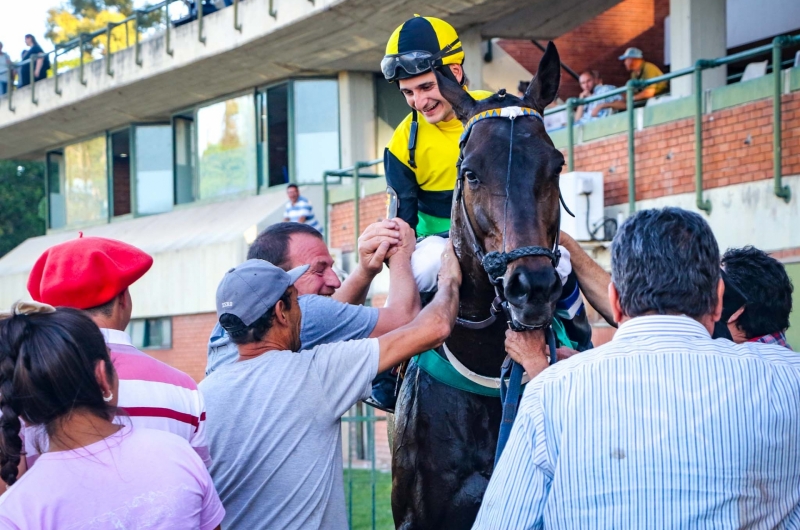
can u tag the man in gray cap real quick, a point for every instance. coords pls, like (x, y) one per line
(274, 416)
(640, 70)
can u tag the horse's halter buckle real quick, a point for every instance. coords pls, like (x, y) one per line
(496, 263)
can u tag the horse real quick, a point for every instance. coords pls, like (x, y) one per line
(507, 198)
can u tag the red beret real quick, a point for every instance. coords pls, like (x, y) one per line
(86, 272)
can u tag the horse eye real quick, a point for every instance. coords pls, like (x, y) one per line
(470, 176)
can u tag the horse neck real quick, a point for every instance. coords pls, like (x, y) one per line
(482, 351)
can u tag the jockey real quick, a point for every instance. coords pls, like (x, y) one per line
(420, 165)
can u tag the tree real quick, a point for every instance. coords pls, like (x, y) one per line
(74, 17)
(21, 202)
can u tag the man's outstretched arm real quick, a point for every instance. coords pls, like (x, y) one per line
(433, 324)
(592, 278)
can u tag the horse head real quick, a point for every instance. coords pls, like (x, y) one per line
(509, 183)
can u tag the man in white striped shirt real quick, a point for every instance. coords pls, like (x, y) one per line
(663, 427)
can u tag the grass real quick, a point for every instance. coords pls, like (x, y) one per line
(362, 499)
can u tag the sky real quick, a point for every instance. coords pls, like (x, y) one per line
(20, 17)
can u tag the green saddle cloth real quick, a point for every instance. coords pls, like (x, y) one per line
(440, 368)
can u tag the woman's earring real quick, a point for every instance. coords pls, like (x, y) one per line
(109, 398)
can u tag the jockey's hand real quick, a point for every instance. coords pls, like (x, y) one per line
(528, 348)
(450, 270)
(376, 244)
(408, 241)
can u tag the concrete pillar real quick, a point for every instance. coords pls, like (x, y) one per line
(698, 30)
(357, 117)
(474, 48)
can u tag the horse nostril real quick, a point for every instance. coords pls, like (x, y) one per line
(518, 288)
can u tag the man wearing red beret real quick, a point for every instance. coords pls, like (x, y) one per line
(93, 274)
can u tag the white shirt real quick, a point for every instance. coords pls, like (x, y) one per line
(662, 427)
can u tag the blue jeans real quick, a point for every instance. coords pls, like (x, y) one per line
(3, 87)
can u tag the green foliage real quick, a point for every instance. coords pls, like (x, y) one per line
(362, 499)
(21, 196)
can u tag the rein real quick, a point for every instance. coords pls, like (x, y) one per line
(496, 263)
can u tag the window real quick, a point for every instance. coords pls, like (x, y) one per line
(316, 128)
(226, 143)
(121, 171)
(151, 333)
(277, 134)
(55, 189)
(85, 182)
(185, 151)
(154, 187)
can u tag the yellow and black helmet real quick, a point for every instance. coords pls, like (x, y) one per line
(419, 45)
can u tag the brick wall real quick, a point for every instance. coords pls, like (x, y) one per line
(597, 44)
(189, 341)
(342, 220)
(737, 148)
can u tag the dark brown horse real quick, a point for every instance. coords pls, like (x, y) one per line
(445, 438)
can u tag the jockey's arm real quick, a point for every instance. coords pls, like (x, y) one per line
(402, 178)
(592, 278)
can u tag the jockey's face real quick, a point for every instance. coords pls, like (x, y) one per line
(422, 93)
(305, 249)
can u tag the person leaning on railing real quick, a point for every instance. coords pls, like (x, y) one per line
(640, 70)
(41, 65)
(592, 85)
(6, 71)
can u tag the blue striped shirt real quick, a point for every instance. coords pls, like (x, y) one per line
(662, 427)
(301, 208)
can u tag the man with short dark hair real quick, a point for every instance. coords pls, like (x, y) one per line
(767, 292)
(338, 315)
(298, 209)
(592, 85)
(663, 426)
(274, 416)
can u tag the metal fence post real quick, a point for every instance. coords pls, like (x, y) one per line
(356, 208)
(272, 11)
(702, 204)
(168, 23)
(55, 71)
(80, 53)
(325, 204)
(200, 37)
(236, 24)
(631, 149)
(136, 39)
(109, 70)
(11, 106)
(784, 192)
(32, 69)
(570, 134)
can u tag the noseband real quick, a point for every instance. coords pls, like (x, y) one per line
(496, 263)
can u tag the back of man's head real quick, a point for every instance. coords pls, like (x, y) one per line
(272, 244)
(665, 262)
(766, 286)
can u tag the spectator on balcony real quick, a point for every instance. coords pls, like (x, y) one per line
(41, 62)
(299, 209)
(640, 70)
(757, 300)
(6, 71)
(592, 85)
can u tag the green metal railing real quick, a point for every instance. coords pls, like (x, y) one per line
(633, 86)
(354, 173)
(364, 447)
(79, 42)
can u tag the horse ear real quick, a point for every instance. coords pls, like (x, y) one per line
(543, 89)
(463, 104)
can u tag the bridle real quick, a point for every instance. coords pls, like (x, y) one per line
(496, 263)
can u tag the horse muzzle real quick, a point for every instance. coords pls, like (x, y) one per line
(531, 293)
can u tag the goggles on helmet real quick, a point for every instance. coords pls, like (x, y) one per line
(415, 62)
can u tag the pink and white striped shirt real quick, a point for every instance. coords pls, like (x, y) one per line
(153, 394)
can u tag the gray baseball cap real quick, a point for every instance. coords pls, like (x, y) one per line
(251, 289)
(632, 53)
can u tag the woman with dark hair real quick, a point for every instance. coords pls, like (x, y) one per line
(56, 375)
(41, 62)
